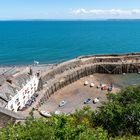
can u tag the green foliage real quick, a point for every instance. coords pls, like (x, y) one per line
(58, 127)
(121, 114)
(117, 119)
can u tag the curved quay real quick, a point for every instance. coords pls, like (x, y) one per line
(70, 71)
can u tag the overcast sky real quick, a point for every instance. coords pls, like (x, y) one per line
(69, 9)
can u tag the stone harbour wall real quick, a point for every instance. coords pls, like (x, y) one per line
(71, 71)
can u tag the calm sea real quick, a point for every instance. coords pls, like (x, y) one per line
(22, 42)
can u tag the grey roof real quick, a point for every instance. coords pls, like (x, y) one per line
(3, 103)
(20, 80)
(11, 114)
(2, 79)
(8, 90)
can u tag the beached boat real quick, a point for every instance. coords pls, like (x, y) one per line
(45, 113)
(86, 83)
(57, 112)
(92, 85)
(96, 100)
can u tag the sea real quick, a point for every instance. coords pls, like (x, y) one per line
(23, 42)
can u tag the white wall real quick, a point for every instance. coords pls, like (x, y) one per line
(23, 95)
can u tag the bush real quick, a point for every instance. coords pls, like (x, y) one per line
(117, 119)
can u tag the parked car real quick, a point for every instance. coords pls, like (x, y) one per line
(87, 101)
(29, 103)
(33, 98)
(62, 103)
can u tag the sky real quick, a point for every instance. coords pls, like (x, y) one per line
(69, 9)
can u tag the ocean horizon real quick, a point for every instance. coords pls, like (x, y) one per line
(55, 41)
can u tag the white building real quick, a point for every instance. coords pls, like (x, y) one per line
(15, 93)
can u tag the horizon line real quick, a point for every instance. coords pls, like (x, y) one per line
(70, 19)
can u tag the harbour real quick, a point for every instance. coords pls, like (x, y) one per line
(66, 81)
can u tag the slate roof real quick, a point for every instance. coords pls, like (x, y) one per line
(11, 86)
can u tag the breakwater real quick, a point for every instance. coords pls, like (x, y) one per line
(68, 72)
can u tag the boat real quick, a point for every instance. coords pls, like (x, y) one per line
(57, 112)
(86, 83)
(45, 113)
(92, 85)
(96, 100)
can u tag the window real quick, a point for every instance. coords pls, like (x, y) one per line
(17, 100)
(25, 91)
(11, 106)
(18, 103)
(24, 102)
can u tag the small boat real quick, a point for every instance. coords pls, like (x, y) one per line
(86, 83)
(57, 112)
(104, 88)
(92, 85)
(45, 113)
(96, 100)
(103, 85)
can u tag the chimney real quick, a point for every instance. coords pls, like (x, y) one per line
(30, 71)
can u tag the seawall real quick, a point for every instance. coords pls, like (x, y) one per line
(70, 71)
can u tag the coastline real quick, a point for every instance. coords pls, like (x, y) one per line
(65, 60)
(5, 69)
(56, 77)
(48, 66)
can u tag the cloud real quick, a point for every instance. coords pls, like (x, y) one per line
(109, 12)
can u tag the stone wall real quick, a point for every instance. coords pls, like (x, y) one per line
(87, 69)
(5, 119)
(7, 116)
(86, 60)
